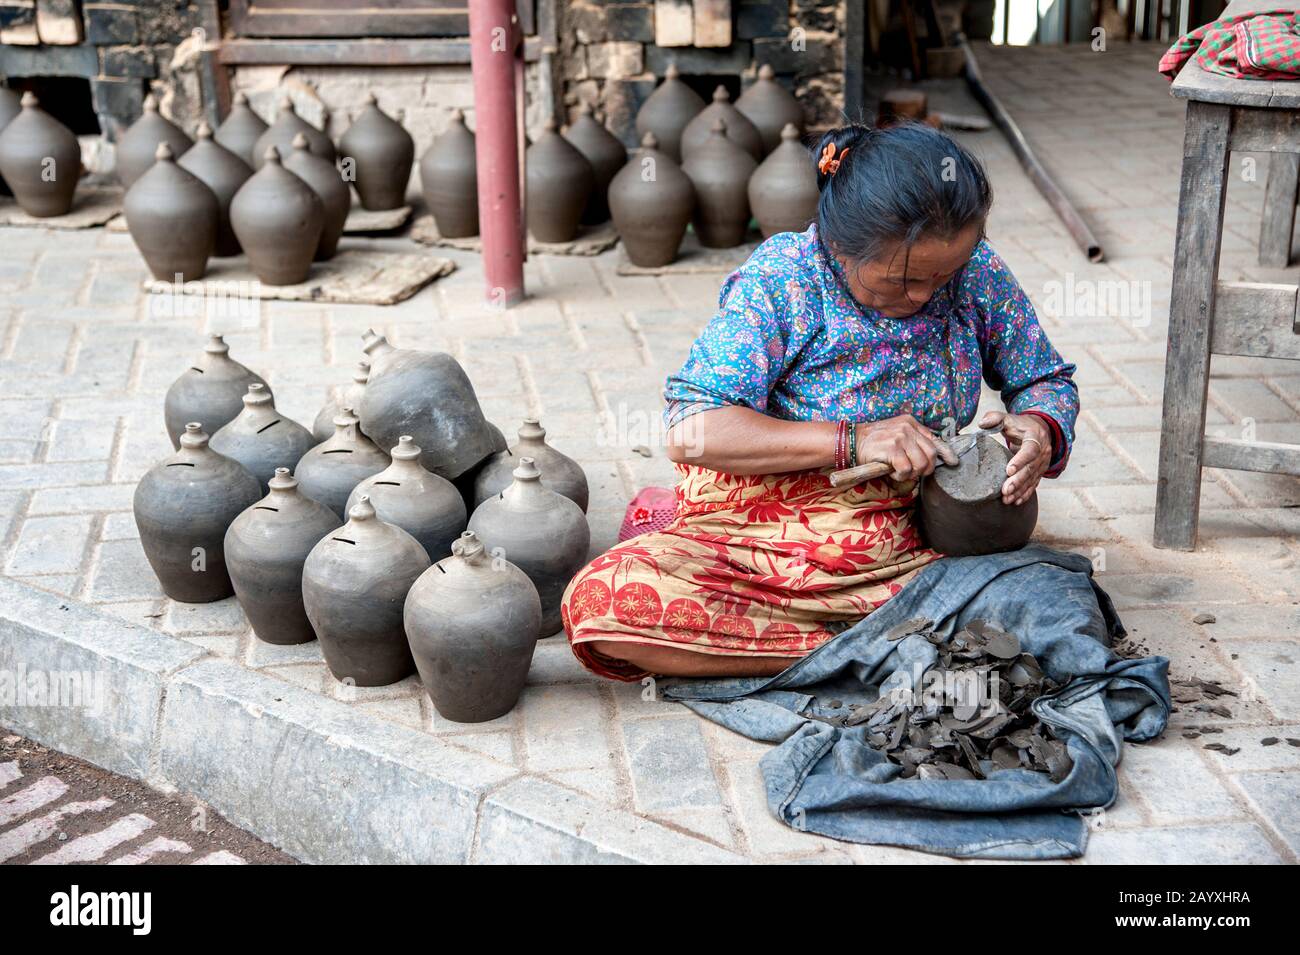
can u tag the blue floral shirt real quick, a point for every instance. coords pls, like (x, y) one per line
(790, 340)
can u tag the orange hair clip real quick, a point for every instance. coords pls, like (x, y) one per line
(828, 165)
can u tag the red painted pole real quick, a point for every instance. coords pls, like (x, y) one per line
(494, 48)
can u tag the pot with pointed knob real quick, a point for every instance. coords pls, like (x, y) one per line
(383, 153)
(426, 506)
(328, 472)
(240, 130)
(262, 439)
(138, 147)
(560, 472)
(738, 128)
(183, 506)
(223, 173)
(559, 183)
(770, 107)
(266, 547)
(449, 180)
(604, 153)
(720, 171)
(173, 219)
(666, 112)
(278, 220)
(40, 160)
(348, 396)
(280, 135)
(327, 182)
(210, 391)
(651, 200)
(472, 621)
(543, 533)
(354, 586)
(783, 190)
(10, 106)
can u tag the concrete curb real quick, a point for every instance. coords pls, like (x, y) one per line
(306, 773)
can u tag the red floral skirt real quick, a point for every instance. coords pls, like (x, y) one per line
(754, 565)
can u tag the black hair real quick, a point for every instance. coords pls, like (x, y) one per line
(896, 185)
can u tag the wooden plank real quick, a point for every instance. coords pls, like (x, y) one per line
(1265, 130)
(58, 22)
(855, 41)
(1255, 320)
(1278, 222)
(389, 52)
(1269, 457)
(354, 23)
(1194, 83)
(712, 23)
(1191, 309)
(674, 23)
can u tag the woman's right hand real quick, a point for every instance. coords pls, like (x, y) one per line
(908, 446)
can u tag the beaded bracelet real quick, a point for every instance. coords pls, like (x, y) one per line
(853, 445)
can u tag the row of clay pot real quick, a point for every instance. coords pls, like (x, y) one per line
(40, 158)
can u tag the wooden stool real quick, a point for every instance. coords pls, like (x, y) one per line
(1207, 316)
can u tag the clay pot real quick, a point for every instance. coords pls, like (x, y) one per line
(783, 190)
(240, 130)
(560, 473)
(329, 471)
(40, 160)
(280, 135)
(961, 507)
(348, 396)
(427, 395)
(138, 147)
(720, 170)
(472, 621)
(327, 182)
(173, 219)
(666, 112)
(543, 533)
(211, 391)
(426, 506)
(606, 156)
(278, 220)
(651, 200)
(266, 547)
(449, 180)
(559, 183)
(739, 129)
(262, 439)
(183, 506)
(223, 173)
(10, 106)
(770, 107)
(383, 153)
(354, 586)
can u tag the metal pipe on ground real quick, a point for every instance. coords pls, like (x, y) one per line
(1045, 184)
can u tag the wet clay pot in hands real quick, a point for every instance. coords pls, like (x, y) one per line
(173, 219)
(278, 220)
(739, 129)
(223, 173)
(427, 395)
(961, 507)
(666, 112)
(240, 131)
(606, 156)
(559, 182)
(783, 190)
(211, 391)
(426, 506)
(651, 200)
(560, 473)
(262, 439)
(328, 472)
(40, 160)
(720, 171)
(327, 182)
(183, 506)
(449, 180)
(138, 147)
(354, 586)
(472, 622)
(266, 547)
(770, 107)
(543, 533)
(347, 396)
(280, 135)
(383, 153)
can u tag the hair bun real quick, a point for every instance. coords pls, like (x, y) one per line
(842, 138)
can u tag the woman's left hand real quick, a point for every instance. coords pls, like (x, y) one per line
(1030, 440)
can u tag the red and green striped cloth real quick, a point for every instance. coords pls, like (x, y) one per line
(1264, 44)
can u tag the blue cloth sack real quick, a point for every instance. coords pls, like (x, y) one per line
(827, 779)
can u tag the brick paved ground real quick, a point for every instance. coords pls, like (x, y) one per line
(85, 365)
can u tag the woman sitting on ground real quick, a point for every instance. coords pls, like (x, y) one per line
(858, 339)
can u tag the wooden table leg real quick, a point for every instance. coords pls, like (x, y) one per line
(1191, 313)
(1279, 210)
